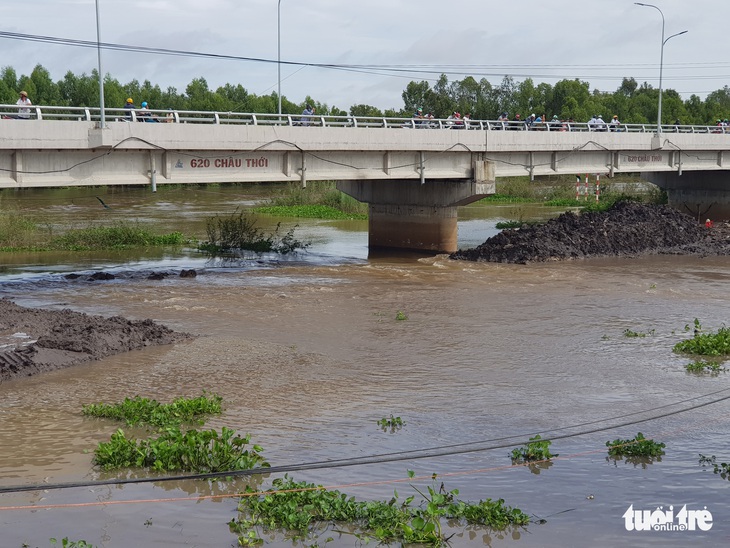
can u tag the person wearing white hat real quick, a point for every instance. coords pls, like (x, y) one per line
(23, 103)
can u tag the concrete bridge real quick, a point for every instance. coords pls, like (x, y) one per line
(413, 173)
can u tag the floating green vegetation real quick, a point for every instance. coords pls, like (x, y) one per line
(630, 334)
(723, 469)
(238, 231)
(174, 450)
(310, 212)
(138, 410)
(705, 344)
(305, 511)
(704, 366)
(637, 447)
(537, 449)
(401, 316)
(392, 423)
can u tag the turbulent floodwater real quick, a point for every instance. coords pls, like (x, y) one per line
(308, 356)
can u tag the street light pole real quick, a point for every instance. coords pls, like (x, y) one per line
(661, 63)
(278, 63)
(102, 121)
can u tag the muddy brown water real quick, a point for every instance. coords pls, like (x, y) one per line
(308, 356)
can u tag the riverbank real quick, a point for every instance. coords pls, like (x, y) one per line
(34, 341)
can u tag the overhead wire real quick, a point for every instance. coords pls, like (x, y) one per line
(395, 70)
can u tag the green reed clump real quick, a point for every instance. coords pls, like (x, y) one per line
(122, 235)
(637, 447)
(537, 449)
(238, 231)
(174, 450)
(18, 231)
(138, 410)
(304, 510)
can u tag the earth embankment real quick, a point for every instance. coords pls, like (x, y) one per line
(34, 340)
(627, 229)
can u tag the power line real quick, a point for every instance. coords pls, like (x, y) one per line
(394, 70)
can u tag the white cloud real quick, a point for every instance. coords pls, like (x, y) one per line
(600, 41)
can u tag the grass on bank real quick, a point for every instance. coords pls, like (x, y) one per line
(19, 232)
(320, 193)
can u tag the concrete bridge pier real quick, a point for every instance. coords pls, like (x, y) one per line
(415, 215)
(701, 194)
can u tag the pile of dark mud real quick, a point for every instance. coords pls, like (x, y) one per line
(36, 340)
(627, 229)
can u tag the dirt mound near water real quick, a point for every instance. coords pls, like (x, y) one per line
(626, 229)
(37, 340)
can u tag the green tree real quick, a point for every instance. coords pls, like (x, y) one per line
(365, 110)
(417, 95)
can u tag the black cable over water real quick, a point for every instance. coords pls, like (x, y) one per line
(454, 449)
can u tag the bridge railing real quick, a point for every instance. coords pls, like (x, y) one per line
(89, 114)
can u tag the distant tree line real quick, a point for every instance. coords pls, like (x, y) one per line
(631, 102)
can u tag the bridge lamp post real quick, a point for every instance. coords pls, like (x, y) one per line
(661, 62)
(278, 63)
(102, 121)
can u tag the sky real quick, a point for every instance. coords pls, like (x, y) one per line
(379, 46)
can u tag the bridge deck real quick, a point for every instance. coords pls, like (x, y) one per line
(53, 150)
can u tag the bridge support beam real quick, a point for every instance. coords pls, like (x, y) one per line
(408, 214)
(702, 194)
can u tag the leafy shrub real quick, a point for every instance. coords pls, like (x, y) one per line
(239, 232)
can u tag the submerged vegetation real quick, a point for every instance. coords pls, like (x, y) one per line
(305, 511)
(723, 468)
(704, 366)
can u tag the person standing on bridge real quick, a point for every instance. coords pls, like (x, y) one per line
(23, 103)
(614, 124)
(129, 107)
(307, 113)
